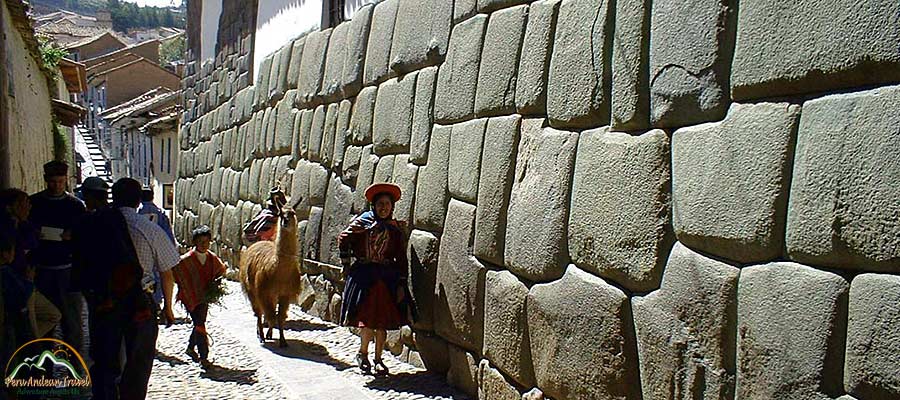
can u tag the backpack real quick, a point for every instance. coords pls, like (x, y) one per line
(109, 269)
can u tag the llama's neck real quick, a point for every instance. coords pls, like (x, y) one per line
(286, 241)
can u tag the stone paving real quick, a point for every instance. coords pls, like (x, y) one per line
(317, 365)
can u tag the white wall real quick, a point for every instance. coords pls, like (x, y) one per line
(350, 6)
(209, 28)
(279, 21)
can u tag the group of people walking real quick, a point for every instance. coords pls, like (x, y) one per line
(62, 258)
(61, 255)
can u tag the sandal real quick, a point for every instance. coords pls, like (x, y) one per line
(362, 361)
(380, 368)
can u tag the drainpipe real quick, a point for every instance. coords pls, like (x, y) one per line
(4, 114)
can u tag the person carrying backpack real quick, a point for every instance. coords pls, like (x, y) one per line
(119, 251)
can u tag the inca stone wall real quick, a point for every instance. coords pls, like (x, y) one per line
(607, 200)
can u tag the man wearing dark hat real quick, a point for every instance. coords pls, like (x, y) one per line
(262, 226)
(95, 193)
(54, 213)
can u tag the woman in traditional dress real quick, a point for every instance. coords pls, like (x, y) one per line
(376, 298)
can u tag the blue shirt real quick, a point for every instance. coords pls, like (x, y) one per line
(158, 217)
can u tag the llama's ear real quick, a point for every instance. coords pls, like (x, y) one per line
(294, 203)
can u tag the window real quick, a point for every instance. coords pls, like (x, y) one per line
(169, 157)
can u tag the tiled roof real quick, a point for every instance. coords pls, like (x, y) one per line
(64, 27)
(127, 65)
(95, 38)
(90, 62)
(145, 102)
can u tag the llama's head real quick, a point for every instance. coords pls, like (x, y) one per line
(288, 220)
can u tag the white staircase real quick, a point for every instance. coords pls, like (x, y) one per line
(94, 163)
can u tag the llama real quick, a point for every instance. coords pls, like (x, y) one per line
(270, 276)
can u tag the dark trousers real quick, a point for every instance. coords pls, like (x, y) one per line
(55, 285)
(108, 330)
(198, 335)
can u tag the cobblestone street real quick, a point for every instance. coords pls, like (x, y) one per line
(317, 365)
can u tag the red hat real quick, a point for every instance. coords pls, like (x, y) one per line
(378, 188)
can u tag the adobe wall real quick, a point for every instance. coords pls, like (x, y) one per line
(607, 199)
(30, 116)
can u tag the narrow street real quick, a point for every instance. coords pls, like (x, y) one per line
(317, 365)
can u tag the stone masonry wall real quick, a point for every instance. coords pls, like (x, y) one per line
(607, 200)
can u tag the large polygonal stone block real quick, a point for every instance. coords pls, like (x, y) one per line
(686, 329)
(259, 134)
(432, 194)
(579, 80)
(341, 128)
(790, 332)
(731, 179)
(384, 170)
(506, 341)
(361, 116)
(367, 164)
(303, 133)
(282, 176)
(463, 9)
(278, 73)
(297, 135)
(458, 75)
(872, 361)
(423, 116)
(622, 180)
(312, 66)
(254, 183)
(284, 124)
(335, 217)
(534, 60)
(466, 140)
(497, 74)
(355, 57)
(539, 202)
(316, 133)
(630, 100)
(501, 139)
(350, 165)
(378, 49)
(313, 229)
(420, 34)
(267, 178)
(459, 314)
(798, 47)
(262, 83)
(318, 184)
(300, 188)
(423, 260)
(270, 117)
(843, 210)
(293, 71)
(331, 114)
(582, 339)
(689, 60)
(463, 372)
(335, 58)
(433, 351)
(392, 118)
(493, 386)
(404, 175)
